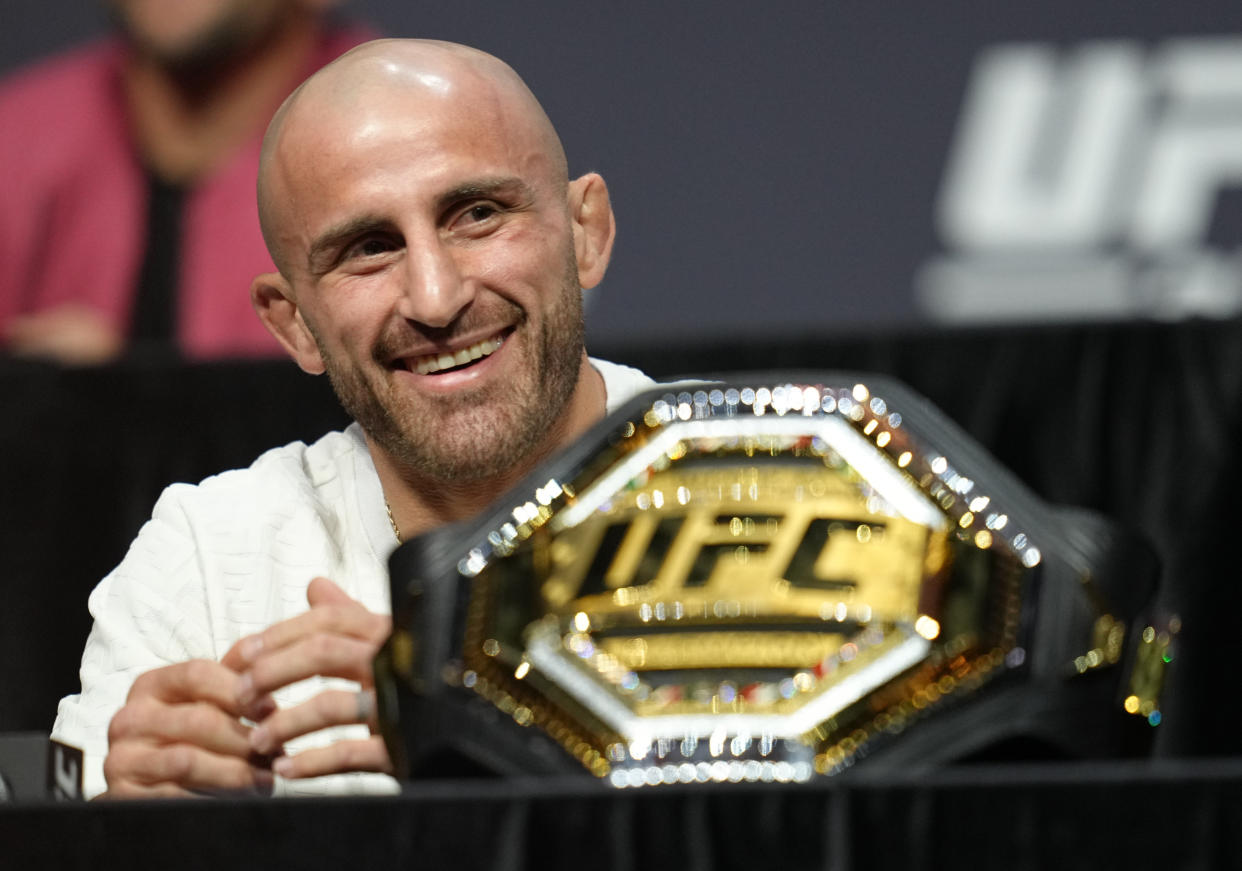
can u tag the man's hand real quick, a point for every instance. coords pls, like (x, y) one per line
(337, 637)
(180, 733)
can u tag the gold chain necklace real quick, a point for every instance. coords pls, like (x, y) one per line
(396, 530)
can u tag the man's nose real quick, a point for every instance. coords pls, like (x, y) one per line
(435, 291)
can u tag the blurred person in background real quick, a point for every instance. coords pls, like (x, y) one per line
(127, 173)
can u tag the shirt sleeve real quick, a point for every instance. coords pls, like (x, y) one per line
(149, 612)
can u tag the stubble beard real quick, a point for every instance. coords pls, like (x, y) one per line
(205, 55)
(475, 435)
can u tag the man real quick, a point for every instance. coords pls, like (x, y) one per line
(127, 168)
(431, 255)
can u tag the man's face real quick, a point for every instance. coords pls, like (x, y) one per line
(196, 34)
(432, 258)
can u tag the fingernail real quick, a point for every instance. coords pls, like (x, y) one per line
(260, 738)
(283, 766)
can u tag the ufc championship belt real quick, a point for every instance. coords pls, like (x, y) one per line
(767, 578)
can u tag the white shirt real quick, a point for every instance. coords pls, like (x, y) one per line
(234, 554)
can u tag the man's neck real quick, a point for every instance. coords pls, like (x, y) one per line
(418, 506)
(184, 130)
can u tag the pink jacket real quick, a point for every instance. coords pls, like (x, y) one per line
(73, 208)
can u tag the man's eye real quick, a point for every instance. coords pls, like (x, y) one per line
(481, 212)
(369, 248)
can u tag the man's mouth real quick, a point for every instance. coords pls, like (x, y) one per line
(432, 364)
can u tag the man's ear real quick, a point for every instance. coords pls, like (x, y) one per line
(590, 214)
(272, 298)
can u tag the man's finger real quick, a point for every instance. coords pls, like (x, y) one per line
(194, 680)
(198, 723)
(321, 591)
(367, 755)
(130, 790)
(134, 765)
(328, 708)
(323, 655)
(346, 618)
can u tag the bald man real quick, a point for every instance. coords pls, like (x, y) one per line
(431, 253)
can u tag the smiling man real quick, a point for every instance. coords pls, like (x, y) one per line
(421, 215)
(432, 253)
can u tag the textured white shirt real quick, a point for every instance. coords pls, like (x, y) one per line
(234, 554)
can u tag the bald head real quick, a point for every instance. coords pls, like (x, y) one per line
(379, 87)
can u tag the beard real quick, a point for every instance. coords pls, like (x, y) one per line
(474, 434)
(206, 53)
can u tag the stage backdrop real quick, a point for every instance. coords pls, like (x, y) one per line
(817, 167)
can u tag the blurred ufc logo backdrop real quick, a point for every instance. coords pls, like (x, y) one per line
(1086, 183)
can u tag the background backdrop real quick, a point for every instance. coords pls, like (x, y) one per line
(802, 168)
(803, 185)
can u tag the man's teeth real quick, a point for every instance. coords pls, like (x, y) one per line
(439, 362)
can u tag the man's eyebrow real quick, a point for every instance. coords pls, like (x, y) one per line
(322, 250)
(510, 186)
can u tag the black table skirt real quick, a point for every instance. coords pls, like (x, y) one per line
(1165, 815)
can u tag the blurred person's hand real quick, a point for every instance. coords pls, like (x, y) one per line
(73, 334)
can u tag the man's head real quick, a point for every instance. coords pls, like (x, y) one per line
(197, 36)
(432, 253)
